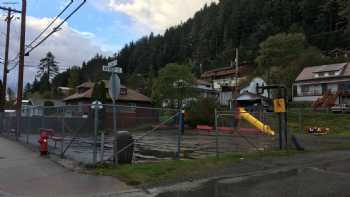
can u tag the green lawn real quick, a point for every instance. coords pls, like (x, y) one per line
(338, 123)
(145, 174)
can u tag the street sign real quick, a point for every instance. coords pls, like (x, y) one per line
(114, 87)
(96, 105)
(112, 69)
(113, 63)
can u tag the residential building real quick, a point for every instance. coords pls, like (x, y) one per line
(133, 107)
(205, 89)
(127, 96)
(225, 81)
(314, 82)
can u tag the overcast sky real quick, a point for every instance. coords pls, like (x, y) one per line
(101, 26)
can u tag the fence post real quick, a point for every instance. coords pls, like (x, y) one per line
(63, 130)
(115, 133)
(102, 145)
(42, 116)
(181, 128)
(217, 133)
(29, 127)
(94, 155)
(301, 126)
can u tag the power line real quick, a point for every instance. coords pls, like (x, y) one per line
(56, 29)
(47, 27)
(50, 24)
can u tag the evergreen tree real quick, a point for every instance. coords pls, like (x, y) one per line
(99, 92)
(48, 66)
(27, 90)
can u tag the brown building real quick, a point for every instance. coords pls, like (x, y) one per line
(133, 108)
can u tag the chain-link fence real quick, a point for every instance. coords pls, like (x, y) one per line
(77, 133)
(246, 131)
(319, 129)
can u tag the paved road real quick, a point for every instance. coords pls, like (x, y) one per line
(320, 175)
(325, 174)
(25, 173)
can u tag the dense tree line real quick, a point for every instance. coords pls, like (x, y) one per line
(210, 37)
(293, 34)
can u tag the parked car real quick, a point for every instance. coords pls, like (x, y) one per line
(341, 108)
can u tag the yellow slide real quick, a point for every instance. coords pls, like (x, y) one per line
(258, 124)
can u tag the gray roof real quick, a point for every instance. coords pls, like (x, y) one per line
(309, 72)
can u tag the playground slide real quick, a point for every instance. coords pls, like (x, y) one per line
(258, 124)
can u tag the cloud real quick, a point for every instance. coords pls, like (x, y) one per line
(156, 15)
(70, 46)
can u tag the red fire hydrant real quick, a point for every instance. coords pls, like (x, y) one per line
(43, 142)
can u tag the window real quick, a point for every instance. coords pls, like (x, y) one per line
(305, 89)
(123, 91)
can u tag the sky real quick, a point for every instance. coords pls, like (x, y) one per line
(100, 26)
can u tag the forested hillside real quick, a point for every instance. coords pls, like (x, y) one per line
(280, 37)
(210, 37)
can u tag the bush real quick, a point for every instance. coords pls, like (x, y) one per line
(201, 112)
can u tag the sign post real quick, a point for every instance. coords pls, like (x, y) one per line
(96, 105)
(114, 92)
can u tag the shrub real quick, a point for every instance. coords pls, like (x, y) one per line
(201, 111)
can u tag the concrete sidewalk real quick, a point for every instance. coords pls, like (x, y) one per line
(25, 173)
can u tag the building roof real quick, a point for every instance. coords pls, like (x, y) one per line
(227, 71)
(202, 82)
(309, 72)
(331, 67)
(248, 96)
(132, 95)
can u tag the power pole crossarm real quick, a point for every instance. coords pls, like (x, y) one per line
(10, 9)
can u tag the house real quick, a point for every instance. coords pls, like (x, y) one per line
(205, 89)
(127, 96)
(133, 107)
(249, 97)
(315, 82)
(224, 80)
(65, 90)
(35, 104)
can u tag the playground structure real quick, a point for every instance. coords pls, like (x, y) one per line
(266, 129)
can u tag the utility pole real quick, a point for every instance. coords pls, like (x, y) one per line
(21, 67)
(235, 63)
(237, 71)
(7, 45)
(7, 49)
(235, 93)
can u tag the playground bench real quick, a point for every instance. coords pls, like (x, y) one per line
(205, 128)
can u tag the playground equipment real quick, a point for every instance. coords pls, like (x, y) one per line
(257, 123)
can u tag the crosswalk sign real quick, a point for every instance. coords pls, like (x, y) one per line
(279, 105)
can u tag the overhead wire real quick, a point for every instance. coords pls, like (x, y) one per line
(46, 28)
(55, 29)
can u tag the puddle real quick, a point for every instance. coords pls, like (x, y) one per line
(290, 183)
(229, 187)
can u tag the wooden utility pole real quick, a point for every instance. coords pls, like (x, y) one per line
(7, 49)
(21, 67)
(235, 91)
